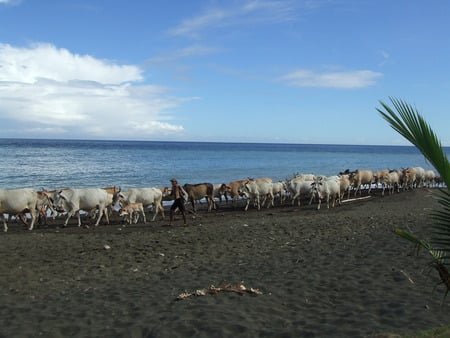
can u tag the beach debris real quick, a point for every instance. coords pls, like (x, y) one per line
(238, 288)
(356, 199)
(106, 247)
(406, 275)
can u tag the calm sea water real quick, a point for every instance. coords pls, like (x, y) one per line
(54, 164)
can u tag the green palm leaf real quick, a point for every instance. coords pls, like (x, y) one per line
(411, 125)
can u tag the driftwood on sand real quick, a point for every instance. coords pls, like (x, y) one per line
(239, 288)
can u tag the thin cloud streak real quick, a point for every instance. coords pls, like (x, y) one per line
(338, 80)
(10, 2)
(252, 11)
(189, 51)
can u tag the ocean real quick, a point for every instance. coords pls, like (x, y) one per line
(54, 164)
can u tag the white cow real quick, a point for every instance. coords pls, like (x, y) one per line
(299, 186)
(420, 176)
(146, 196)
(360, 178)
(379, 178)
(17, 201)
(43, 204)
(430, 178)
(279, 189)
(257, 189)
(394, 181)
(345, 185)
(75, 200)
(327, 187)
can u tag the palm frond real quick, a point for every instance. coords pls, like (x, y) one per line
(411, 125)
(438, 255)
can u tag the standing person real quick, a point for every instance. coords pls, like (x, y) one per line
(178, 196)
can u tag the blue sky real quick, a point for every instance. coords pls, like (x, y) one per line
(287, 71)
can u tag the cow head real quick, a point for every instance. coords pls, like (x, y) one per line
(58, 200)
(117, 198)
(316, 187)
(224, 189)
(123, 212)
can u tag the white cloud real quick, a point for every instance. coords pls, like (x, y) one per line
(47, 62)
(43, 88)
(342, 80)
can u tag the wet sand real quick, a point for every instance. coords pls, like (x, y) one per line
(339, 272)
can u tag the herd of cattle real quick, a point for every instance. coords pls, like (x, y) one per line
(97, 203)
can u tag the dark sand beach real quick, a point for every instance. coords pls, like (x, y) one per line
(329, 273)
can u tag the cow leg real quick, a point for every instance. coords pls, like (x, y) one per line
(271, 200)
(23, 218)
(142, 212)
(5, 224)
(211, 203)
(358, 189)
(33, 218)
(161, 208)
(293, 199)
(157, 207)
(313, 195)
(70, 214)
(101, 211)
(106, 212)
(78, 217)
(248, 203)
(258, 202)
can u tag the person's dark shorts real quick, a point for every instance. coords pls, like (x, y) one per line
(178, 203)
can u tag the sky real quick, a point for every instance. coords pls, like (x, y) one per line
(272, 71)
